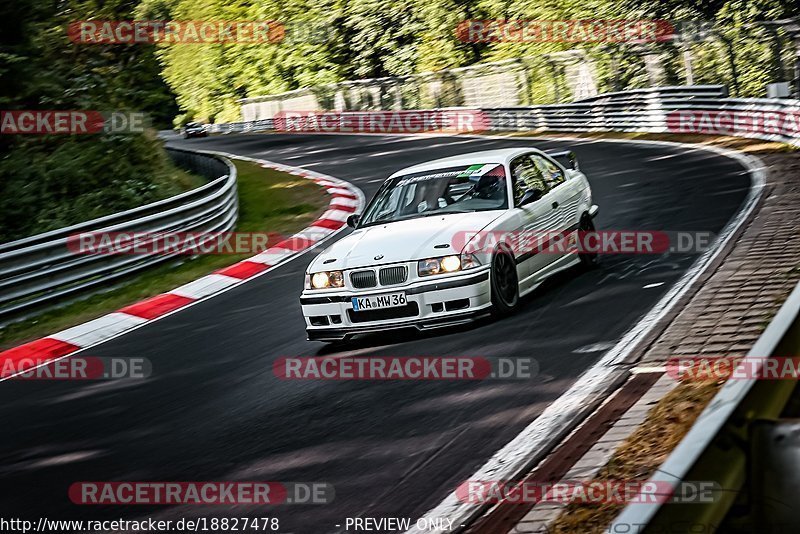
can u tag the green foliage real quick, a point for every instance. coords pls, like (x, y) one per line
(326, 41)
(376, 38)
(54, 182)
(51, 181)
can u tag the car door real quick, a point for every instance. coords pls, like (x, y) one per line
(535, 217)
(563, 198)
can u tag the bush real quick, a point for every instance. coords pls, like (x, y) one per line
(49, 183)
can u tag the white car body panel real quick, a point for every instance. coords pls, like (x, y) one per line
(414, 239)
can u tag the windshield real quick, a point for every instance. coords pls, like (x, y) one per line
(479, 187)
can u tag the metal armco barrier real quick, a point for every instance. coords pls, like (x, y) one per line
(701, 109)
(41, 270)
(736, 443)
(262, 125)
(678, 110)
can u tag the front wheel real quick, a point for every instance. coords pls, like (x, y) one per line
(505, 284)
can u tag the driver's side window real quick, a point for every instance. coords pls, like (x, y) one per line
(527, 177)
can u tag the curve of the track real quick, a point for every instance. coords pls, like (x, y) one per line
(213, 410)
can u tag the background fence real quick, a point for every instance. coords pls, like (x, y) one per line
(43, 269)
(704, 109)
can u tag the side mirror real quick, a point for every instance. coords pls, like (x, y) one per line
(573, 161)
(567, 158)
(530, 196)
(352, 221)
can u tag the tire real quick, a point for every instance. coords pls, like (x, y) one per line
(588, 260)
(505, 284)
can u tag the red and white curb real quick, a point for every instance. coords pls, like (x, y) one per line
(345, 199)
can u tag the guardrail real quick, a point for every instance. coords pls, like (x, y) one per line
(720, 448)
(680, 110)
(262, 125)
(40, 270)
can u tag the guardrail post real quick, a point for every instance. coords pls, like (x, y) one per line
(775, 475)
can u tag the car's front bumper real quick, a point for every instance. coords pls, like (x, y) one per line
(436, 303)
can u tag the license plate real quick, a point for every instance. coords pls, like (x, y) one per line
(391, 300)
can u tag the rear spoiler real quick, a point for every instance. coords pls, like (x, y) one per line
(565, 157)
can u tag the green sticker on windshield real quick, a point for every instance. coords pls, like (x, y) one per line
(474, 170)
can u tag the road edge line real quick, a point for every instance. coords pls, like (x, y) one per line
(559, 419)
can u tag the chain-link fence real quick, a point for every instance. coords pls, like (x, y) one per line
(756, 60)
(501, 83)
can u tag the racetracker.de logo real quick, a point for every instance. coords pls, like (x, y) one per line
(592, 492)
(564, 31)
(201, 493)
(781, 123)
(180, 243)
(715, 368)
(174, 32)
(418, 121)
(404, 368)
(580, 241)
(50, 122)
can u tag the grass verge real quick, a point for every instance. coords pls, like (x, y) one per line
(269, 201)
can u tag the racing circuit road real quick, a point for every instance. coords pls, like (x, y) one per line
(213, 410)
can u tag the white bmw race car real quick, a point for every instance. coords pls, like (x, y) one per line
(447, 241)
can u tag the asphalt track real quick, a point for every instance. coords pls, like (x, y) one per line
(213, 410)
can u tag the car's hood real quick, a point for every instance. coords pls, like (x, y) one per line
(414, 239)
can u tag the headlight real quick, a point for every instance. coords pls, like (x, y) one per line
(447, 264)
(451, 264)
(326, 279)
